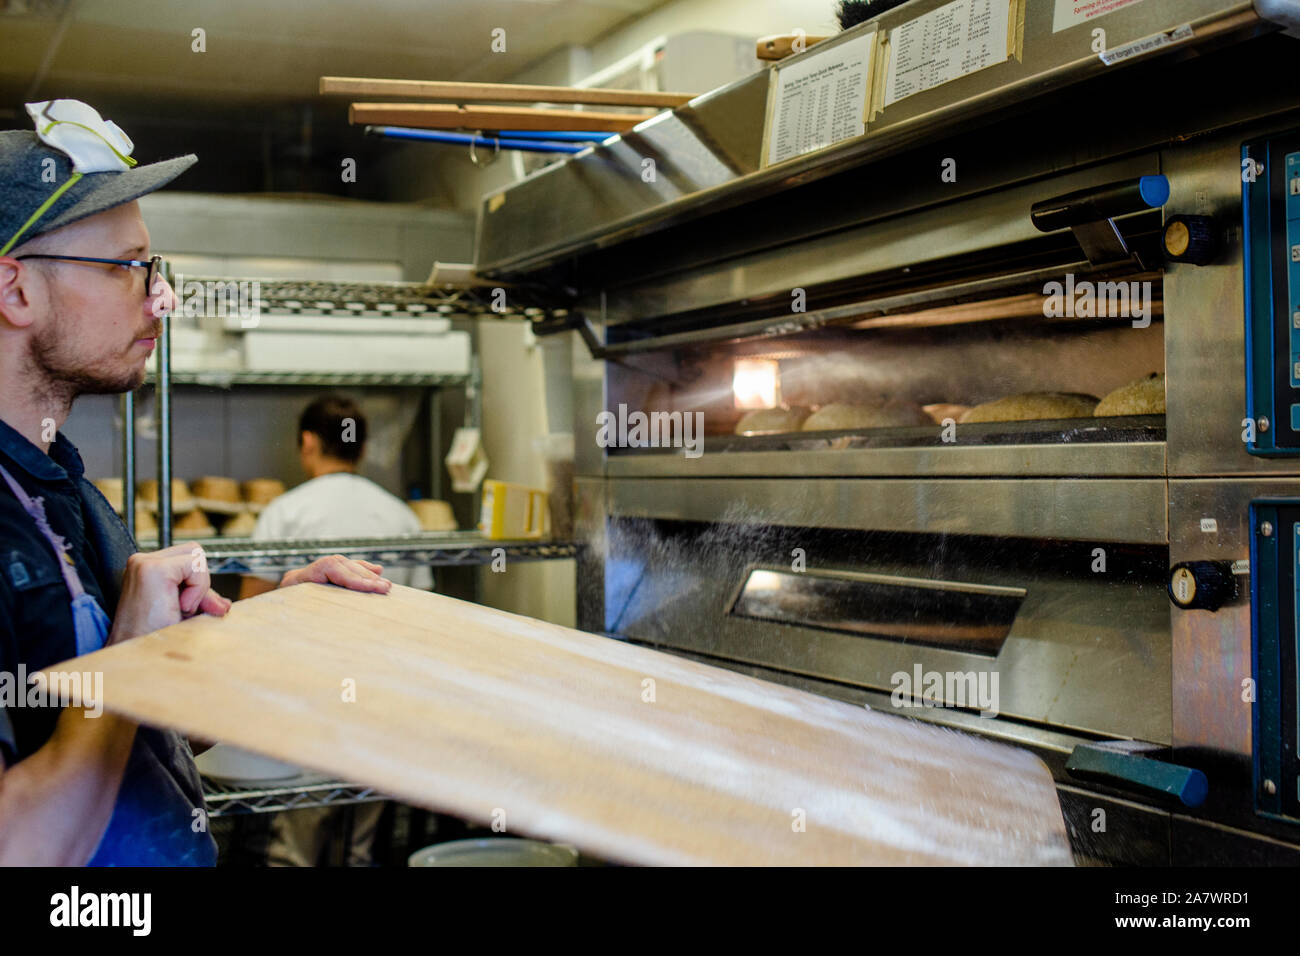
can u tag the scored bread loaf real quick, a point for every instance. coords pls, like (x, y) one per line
(147, 492)
(260, 492)
(944, 411)
(1032, 406)
(217, 495)
(194, 525)
(146, 526)
(893, 413)
(240, 526)
(113, 490)
(769, 420)
(434, 515)
(1146, 396)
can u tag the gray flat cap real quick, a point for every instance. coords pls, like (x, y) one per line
(24, 185)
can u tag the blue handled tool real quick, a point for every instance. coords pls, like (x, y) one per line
(475, 139)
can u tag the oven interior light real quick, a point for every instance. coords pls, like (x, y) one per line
(757, 383)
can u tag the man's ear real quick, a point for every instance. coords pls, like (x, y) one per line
(309, 443)
(17, 305)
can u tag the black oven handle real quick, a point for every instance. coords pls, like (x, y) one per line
(1090, 214)
(1100, 202)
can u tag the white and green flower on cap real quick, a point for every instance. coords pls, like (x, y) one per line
(94, 144)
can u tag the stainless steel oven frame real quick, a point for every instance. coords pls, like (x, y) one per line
(671, 281)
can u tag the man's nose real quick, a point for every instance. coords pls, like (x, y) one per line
(161, 299)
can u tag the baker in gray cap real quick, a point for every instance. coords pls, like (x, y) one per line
(81, 305)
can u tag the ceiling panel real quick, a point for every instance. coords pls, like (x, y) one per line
(249, 105)
(276, 49)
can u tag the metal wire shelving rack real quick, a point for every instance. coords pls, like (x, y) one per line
(430, 549)
(242, 555)
(315, 297)
(227, 799)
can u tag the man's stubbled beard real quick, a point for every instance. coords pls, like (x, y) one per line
(65, 375)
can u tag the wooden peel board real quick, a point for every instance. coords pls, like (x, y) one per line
(492, 716)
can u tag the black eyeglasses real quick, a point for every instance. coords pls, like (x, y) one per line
(154, 264)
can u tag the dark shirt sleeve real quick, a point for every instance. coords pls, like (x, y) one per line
(8, 684)
(8, 746)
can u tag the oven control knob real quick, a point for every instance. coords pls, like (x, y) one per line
(1193, 239)
(1202, 584)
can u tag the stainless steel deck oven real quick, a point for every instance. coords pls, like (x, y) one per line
(1067, 204)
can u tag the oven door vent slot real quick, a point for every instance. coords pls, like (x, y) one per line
(956, 616)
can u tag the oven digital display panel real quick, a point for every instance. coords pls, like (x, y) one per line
(1275, 633)
(957, 616)
(1271, 209)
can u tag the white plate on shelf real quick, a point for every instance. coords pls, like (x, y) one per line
(495, 851)
(231, 765)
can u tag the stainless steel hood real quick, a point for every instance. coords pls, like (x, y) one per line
(707, 154)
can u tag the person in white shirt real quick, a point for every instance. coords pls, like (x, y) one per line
(334, 502)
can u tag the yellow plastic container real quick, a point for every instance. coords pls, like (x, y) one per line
(512, 512)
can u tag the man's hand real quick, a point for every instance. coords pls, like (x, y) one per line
(345, 572)
(160, 588)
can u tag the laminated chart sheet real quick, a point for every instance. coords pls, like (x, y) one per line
(631, 755)
(953, 41)
(819, 100)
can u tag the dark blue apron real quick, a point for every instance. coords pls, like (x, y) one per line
(159, 818)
